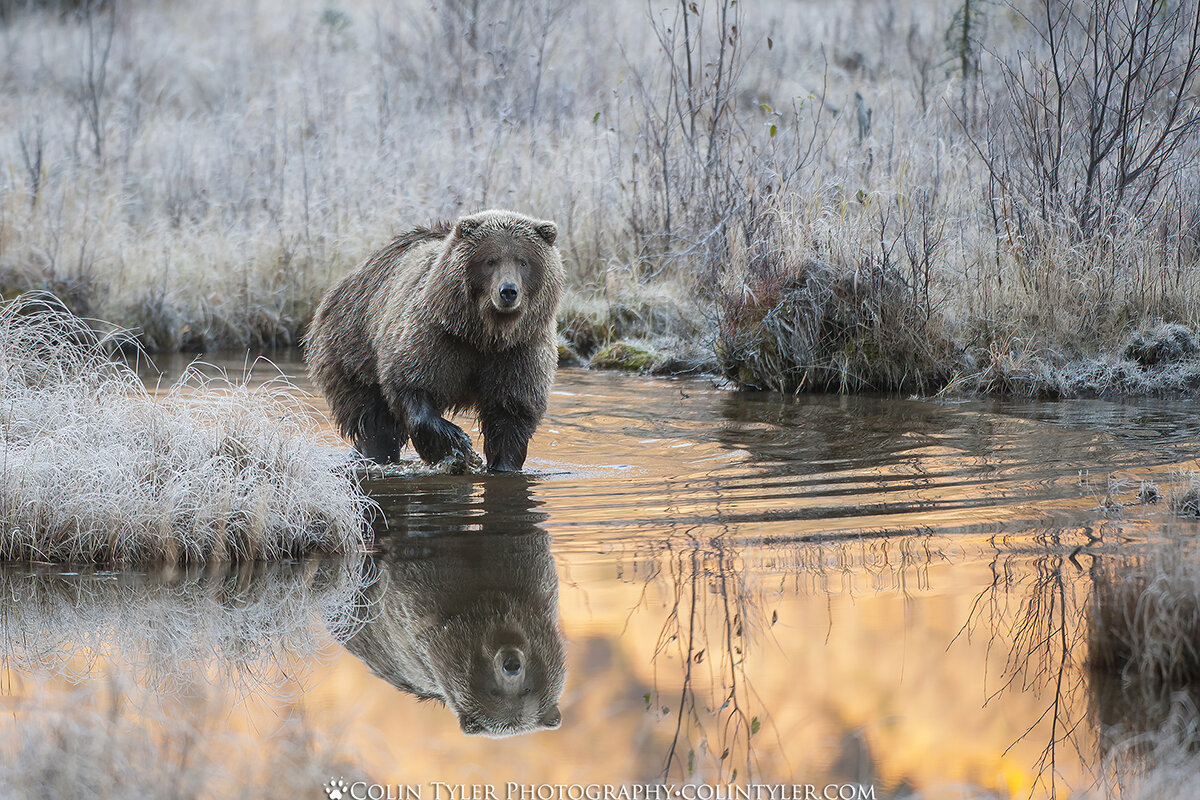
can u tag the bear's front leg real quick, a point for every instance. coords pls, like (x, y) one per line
(434, 438)
(507, 429)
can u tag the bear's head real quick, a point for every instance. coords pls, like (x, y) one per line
(512, 271)
(512, 683)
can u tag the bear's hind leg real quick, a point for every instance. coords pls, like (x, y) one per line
(506, 435)
(378, 435)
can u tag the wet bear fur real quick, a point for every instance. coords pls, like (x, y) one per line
(452, 317)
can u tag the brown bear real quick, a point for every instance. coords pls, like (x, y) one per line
(469, 616)
(445, 318)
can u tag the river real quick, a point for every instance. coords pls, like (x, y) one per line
(704, 587)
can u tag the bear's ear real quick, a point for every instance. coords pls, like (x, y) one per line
(466, 226)
(551, 719)
(547, 230)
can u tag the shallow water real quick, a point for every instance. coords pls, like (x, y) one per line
(740, 588)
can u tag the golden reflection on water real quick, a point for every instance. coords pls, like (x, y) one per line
(750, 589)
(820, 683)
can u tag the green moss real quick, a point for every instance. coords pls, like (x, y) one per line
(625, 357)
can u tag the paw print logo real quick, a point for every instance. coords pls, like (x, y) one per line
(336, 789)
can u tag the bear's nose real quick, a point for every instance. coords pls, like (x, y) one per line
(510, 662)
(508, 293)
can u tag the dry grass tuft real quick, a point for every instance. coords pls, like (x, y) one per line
(1150, 751)
(821, 331)
(1144, 660)
(95, 469)
(1184, 498)
(1148, 493)
(1165, 342)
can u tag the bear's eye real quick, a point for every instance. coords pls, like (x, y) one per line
(524, 264)
(491, 262)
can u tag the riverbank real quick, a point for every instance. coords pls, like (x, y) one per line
(794, 347)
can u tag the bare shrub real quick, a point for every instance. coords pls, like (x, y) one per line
(497, 53)
(1100, 112)
(687, 173)
(95, 469)
(721, 201)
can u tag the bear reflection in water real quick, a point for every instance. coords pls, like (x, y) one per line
(465, 610)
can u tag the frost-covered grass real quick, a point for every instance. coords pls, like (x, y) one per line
(818, 195)
(93, 468)
(1184, 498)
